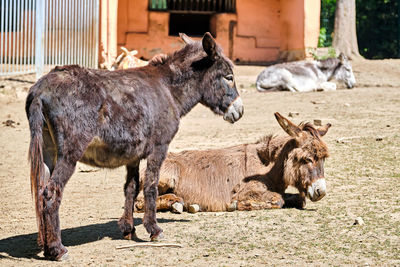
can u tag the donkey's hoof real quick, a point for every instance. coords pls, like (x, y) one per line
(157, 236)
(130, 236)
(63, 257)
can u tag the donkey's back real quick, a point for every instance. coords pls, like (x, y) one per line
(296, 76)
(114, 107)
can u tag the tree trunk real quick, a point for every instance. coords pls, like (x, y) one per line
(345, 37)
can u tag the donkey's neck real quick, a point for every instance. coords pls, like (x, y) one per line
(329, 67)
(185, 96)
(275, 154)
(182, 85)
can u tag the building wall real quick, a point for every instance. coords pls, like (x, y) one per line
(260, 31)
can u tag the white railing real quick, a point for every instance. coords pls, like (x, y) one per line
(37, 35)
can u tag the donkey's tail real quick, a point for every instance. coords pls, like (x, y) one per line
(35, 116)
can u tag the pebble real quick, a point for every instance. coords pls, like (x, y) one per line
(315, 102)
(293, 114)
(359, 221)
(317, 122)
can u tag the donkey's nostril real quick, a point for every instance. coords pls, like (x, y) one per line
(317, 191)
(241, 110)
(235, 111)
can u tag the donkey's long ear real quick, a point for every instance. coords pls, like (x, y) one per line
(210, 46)
(324, 129)
(186, 38)
(289, 127)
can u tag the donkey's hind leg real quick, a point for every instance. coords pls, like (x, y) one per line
(131, 190)
(52, 194)
(49, 158)
(68, 153)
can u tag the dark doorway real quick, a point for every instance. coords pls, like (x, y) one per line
(190, 24)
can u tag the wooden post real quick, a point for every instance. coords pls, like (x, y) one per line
(108, 32)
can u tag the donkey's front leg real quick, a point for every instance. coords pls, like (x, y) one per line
(52, 195)
(266, 200)
(131, 190)
(150, 190)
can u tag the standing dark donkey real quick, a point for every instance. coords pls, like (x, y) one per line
(109, 119)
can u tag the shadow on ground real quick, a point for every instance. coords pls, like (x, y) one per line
(24, 246)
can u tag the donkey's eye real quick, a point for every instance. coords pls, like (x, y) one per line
(229, 80)
(308, 160)
(229, 77)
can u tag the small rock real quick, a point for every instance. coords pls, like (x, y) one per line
(347, 105)
(342, 140)
(315, 102)
(293, 114)
(359, 221)
(317, 122)
(193, 208)
(177, 208)
(9, 123)
(388, 125)
(379, 138)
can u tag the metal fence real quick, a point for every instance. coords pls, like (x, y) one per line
(37, 35)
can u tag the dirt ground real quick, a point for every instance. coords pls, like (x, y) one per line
(363, 176)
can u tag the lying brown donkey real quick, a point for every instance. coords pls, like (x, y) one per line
(248, 176)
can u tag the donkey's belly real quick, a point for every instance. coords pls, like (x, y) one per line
(99, 154)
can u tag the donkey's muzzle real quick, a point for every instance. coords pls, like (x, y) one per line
(317, 190)
(235, 110)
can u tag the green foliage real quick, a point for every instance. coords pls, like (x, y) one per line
(378, 27)
(322, 37)
(327, 20)
(331, 53)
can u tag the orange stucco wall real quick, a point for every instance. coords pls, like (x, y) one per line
(260, 31)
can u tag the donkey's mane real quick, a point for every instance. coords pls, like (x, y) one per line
(269, 146)
(196, 49)
(304, 126)
(329, 63)
(308, 127)
(319, 146)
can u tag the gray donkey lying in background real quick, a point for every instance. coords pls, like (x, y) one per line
(305, 76)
